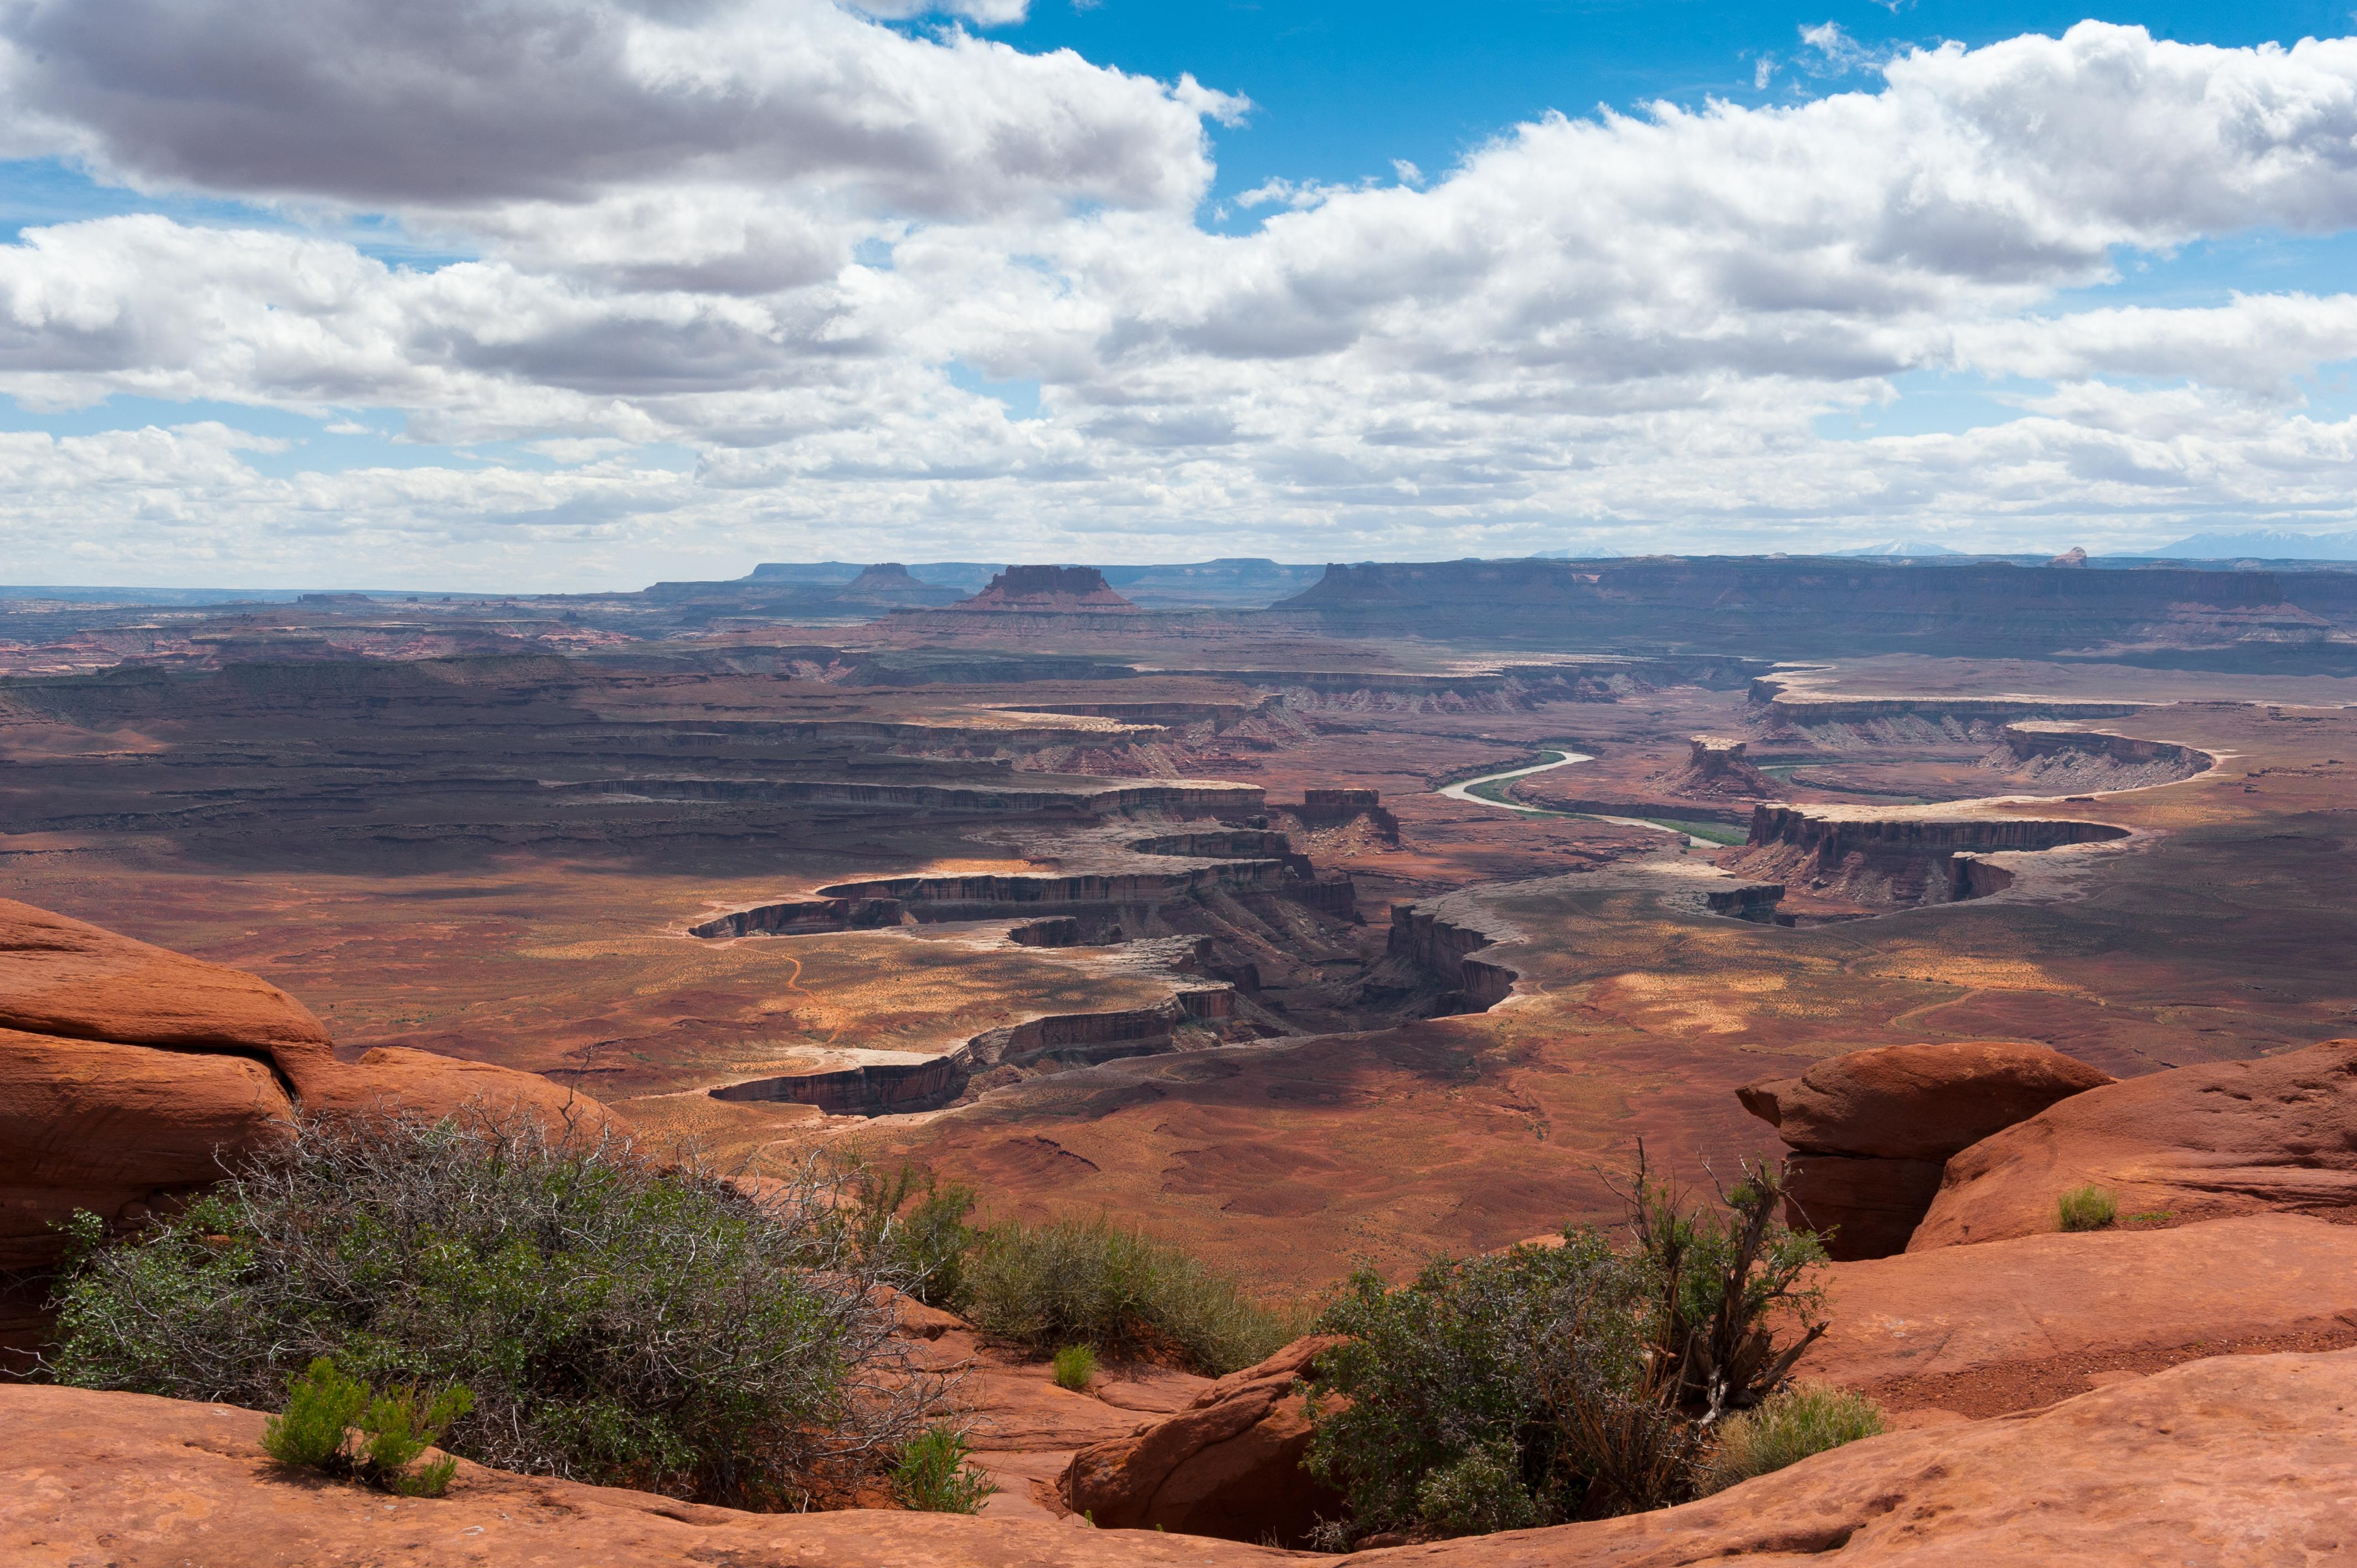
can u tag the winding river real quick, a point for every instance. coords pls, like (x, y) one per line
(1463, 791)
(1563, 758)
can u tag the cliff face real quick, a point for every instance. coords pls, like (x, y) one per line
(2083, 760)
(1815, 607)
(1441, 948)
(1052, 589)
(1893, 862)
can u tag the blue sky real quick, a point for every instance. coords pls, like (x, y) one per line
(497, 310)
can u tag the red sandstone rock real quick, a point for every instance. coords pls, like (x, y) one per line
(2238, 1459)
(2021, 1323)
(93, 1124)
(1228, 1465)
(1917, 1102)
(66, 977)
(2194, 1142)
(128, 1071)
(395, 1080)
(1871, 1129)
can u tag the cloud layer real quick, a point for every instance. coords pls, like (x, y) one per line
(777, 238)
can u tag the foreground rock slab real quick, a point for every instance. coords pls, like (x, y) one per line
(1985, 1330)
(2190, 1143)
(2234, 1460)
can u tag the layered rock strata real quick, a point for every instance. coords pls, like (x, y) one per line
(1870, 1131)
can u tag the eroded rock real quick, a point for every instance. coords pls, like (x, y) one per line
(1228, 1465)
(1871, 1131)
(2194, 1142)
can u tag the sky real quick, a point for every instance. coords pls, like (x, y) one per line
(565, 295)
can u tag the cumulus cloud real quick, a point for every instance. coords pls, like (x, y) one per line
(452, 102)
(1623, 330)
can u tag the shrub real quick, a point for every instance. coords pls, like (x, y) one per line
(1787, 1427)
(321, 1406)
(2086, 1209)
(1092, 1281)
(933, 1476)
(1543, 1384)
(617, 1320)
(314, 1431)
(1075, 1365)
(912, 1230)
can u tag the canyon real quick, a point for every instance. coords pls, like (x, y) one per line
(1379, 917)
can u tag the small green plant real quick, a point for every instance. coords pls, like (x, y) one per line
(321, 1406)
(2086, 1209)
(316, 1431)
(1075, 1365)
(2149, 1216)
(933, 1476)
(1787, 1427)
(1480, 1494)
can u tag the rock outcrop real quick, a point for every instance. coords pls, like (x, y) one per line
(1228, 1465)
(2192, 1142)
(2013, 1325)
(1049, 589)
(2237, 1459)
(128, 1072)
(1716, 766)
(1871, 1131)
(1892, 857)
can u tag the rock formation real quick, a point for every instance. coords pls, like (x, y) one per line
(2012, 1325)
(1228, 1465)
(129, 1072)
(1871, 1131)
(2234, 1459)
(2194, 1142)
(1885, 857)
(1716, 766)
(1051, 589)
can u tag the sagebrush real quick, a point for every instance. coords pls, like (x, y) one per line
(1095, 1282)
(1547, 1383)
(618, 1319)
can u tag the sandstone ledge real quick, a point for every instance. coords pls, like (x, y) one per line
(2237, 1459)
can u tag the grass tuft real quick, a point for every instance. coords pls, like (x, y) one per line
(1076, 1365)
(2086, 1209)
(1785, 1428)
(933, 1475)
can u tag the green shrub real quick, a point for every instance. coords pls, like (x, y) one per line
(913, 1230)
(1092, 1281)
(619, 1320)
(2086, 1209)
(932, 1474)
(316, 1431)
(1549, 1383)
(1454, 1380)
(1075, 1365)
(1787, 1427)
(321, 1406)
(1480, 1494)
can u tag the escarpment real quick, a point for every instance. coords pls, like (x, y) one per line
(1439, 946)
(1061, 1040)
(1871, 858)
(2041, 756)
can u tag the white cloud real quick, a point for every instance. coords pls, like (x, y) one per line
(1626, 326)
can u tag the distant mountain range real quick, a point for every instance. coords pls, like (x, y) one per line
(2263, 544)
